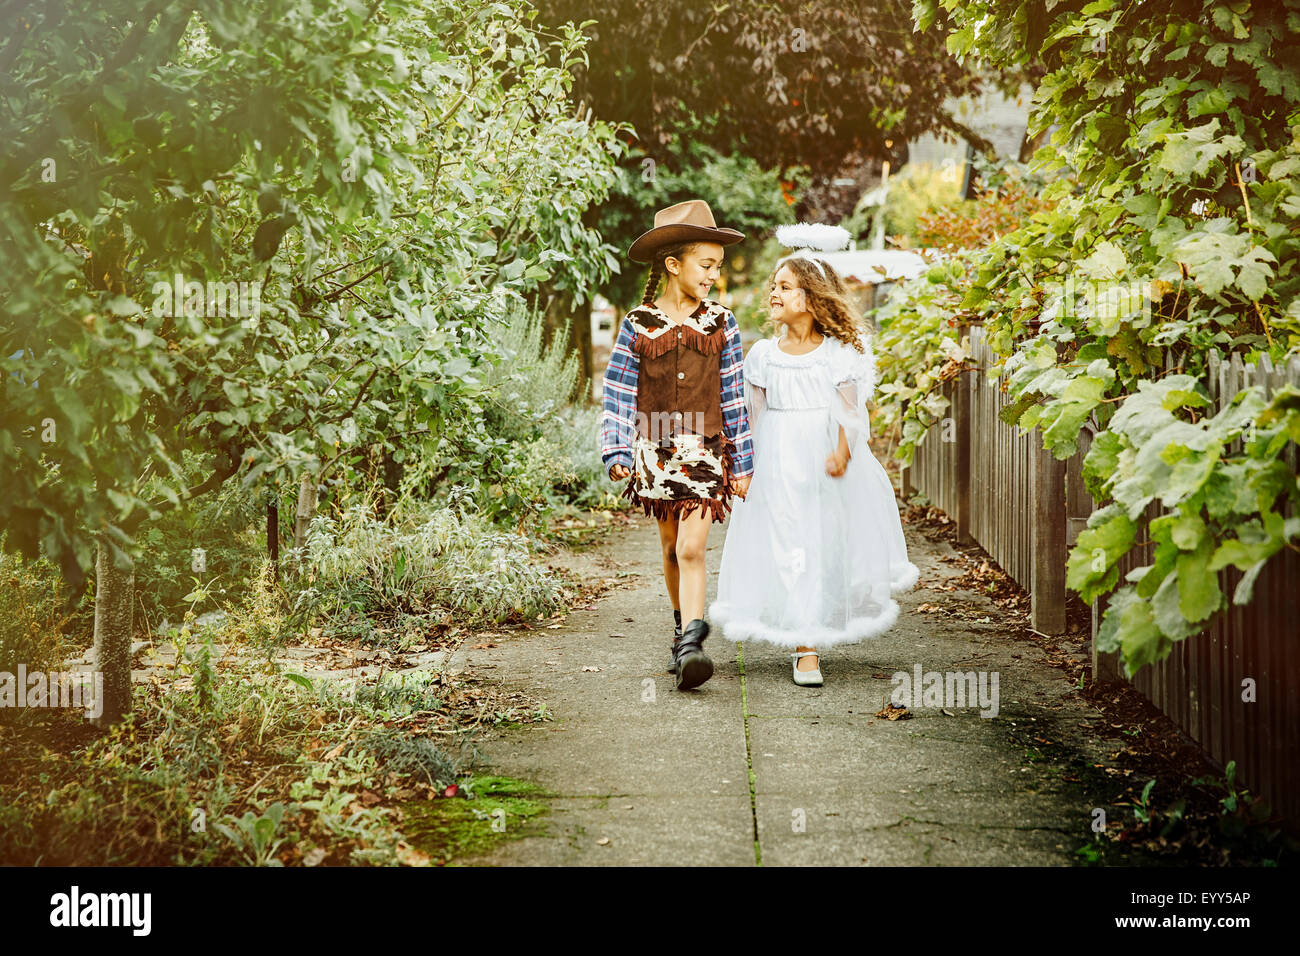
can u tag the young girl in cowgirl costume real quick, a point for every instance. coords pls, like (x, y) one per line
(674, 411)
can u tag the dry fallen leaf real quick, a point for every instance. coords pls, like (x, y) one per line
(314, 856)
(480, 647)
(410, 856)
(603, 841)
(890, 712)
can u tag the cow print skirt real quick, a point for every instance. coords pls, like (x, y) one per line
(679, 473)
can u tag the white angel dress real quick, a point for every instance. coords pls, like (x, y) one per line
(809, 559)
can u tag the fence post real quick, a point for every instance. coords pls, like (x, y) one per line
(1047, 537)
(961, 401)
(1105, 667)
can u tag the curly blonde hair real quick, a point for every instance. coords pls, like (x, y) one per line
(828, 301)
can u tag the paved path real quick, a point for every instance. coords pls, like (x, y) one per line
(751, 768)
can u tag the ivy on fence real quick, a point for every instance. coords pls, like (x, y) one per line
(1171, 232)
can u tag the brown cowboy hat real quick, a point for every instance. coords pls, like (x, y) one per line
(690, 221)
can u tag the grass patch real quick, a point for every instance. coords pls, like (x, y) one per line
(501, 808)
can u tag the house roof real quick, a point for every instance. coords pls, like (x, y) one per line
(870, 266)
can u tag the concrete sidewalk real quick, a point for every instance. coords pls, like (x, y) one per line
(751, 768)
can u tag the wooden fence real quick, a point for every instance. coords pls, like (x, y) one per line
(1025, 508)
(1004, 490)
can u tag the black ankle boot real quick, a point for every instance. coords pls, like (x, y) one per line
(677, 636)
(693, 666)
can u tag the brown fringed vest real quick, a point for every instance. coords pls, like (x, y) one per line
(679, 386)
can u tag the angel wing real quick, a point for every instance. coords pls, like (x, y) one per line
(854, 378)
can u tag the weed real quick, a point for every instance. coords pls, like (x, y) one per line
(254, 836)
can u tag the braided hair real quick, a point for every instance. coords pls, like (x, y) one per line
(658, 270)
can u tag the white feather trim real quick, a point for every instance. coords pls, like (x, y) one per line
(813, 235)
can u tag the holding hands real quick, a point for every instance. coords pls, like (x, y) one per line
(836, 463)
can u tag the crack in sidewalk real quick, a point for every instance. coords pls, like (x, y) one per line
(749, 756)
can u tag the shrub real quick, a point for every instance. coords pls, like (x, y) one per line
(226, 527)
(423, 560)
(34, 624)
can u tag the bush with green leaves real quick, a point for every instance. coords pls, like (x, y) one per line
(527, 383)
(524, 448)
(37, 629)
(216, 542)
(1175, 230)
(269, 235)
(915, 189)
(513, 458)
(918, 350)
(440, 563)
(573, 432)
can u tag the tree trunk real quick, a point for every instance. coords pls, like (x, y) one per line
(393, 471)
(582, 342)
(114, 598)
(306, 509)
(273, 537)
(558, 310)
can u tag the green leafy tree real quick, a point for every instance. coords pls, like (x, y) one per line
(273, 234)
(820, 83)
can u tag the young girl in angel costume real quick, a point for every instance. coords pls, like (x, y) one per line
(815, 551)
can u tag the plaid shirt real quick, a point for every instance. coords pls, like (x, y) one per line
(618, 421)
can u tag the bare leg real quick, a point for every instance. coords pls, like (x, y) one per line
(672, 572)
(807, 663)
(692, 538)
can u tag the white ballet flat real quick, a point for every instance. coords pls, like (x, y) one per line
(812, 678)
